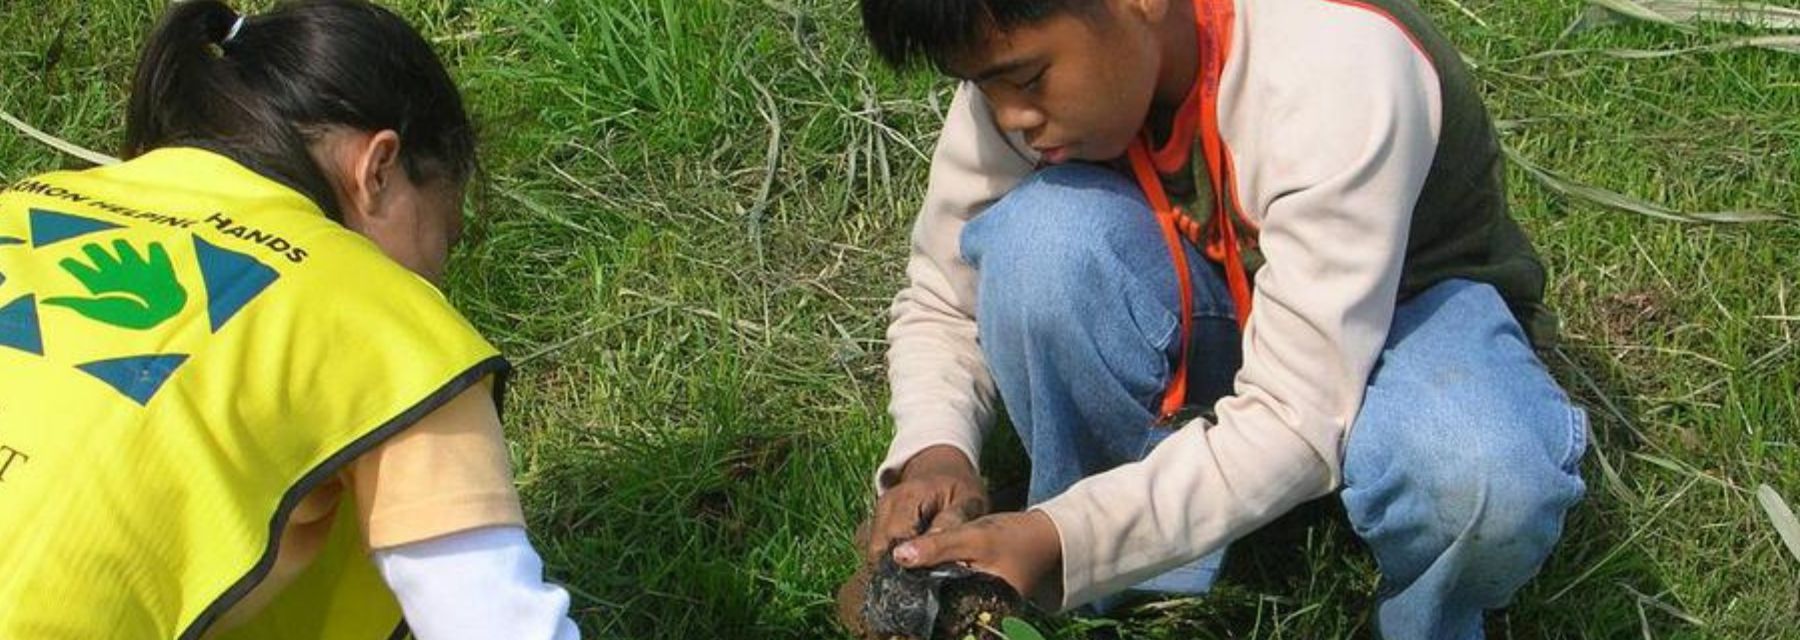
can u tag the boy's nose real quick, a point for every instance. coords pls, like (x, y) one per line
(1017, 117)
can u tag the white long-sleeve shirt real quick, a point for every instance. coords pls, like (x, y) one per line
(475, 585)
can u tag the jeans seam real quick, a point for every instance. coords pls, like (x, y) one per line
(1210, 305)
(1210, 313)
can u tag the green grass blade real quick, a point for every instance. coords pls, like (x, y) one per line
(1781, 516)
(1783, 43)
(1615, 200)
(1685, 13)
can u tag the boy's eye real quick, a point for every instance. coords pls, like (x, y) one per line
(1031, 84)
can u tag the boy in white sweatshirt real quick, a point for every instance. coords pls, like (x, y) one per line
(1218, 258)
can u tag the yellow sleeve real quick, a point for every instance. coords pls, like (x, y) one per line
(446, 474)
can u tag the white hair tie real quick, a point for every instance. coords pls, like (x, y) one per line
(233, 33)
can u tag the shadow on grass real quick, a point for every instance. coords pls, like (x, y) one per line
(723, 523)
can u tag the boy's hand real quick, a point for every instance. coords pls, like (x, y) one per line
(1022, 548)
(938, 489)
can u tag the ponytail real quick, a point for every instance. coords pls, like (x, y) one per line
(261, 89)
(181, 65)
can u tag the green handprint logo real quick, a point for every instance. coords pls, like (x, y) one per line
(129, 291)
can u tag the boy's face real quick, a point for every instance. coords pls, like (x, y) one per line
(1077, 85)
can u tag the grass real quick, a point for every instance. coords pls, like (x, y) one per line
(696, 210)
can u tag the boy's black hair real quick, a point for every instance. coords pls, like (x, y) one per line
(263, 93)
(905, 31)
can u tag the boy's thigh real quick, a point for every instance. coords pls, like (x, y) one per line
(1075, 275)
(1459, 403)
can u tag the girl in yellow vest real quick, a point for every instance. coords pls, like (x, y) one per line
(232, 401)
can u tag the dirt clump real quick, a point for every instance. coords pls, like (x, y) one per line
(949, 602)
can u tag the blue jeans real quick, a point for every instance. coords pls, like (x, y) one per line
(1458, 469)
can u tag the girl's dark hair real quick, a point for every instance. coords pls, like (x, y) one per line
(905, 31)
(263, 94)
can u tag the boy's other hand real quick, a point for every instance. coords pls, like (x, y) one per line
(1022, 548)
(938, 489)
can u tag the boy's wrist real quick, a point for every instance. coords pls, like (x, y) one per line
(939, 459)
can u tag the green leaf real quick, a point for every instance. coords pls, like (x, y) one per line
(1017, 629)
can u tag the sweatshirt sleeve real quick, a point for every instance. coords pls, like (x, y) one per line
(942, 392)
(1334, 138)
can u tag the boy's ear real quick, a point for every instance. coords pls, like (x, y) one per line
(1150, 11)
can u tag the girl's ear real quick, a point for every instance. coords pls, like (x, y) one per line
(372, 161)
(359, 166)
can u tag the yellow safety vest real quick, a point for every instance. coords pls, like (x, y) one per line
(186, 350)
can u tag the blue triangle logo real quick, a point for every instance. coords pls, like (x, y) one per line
(50, 227)
(19, 326)
(138, 377)
(232, 280)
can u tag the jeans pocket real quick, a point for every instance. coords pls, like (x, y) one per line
(1149, 325)
(1578, 440)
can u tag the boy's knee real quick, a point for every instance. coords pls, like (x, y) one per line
(1078, 180)
(1494, 476)
(1503, 498)
(1512, 527)
(1058, 252)
(1058, 216)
